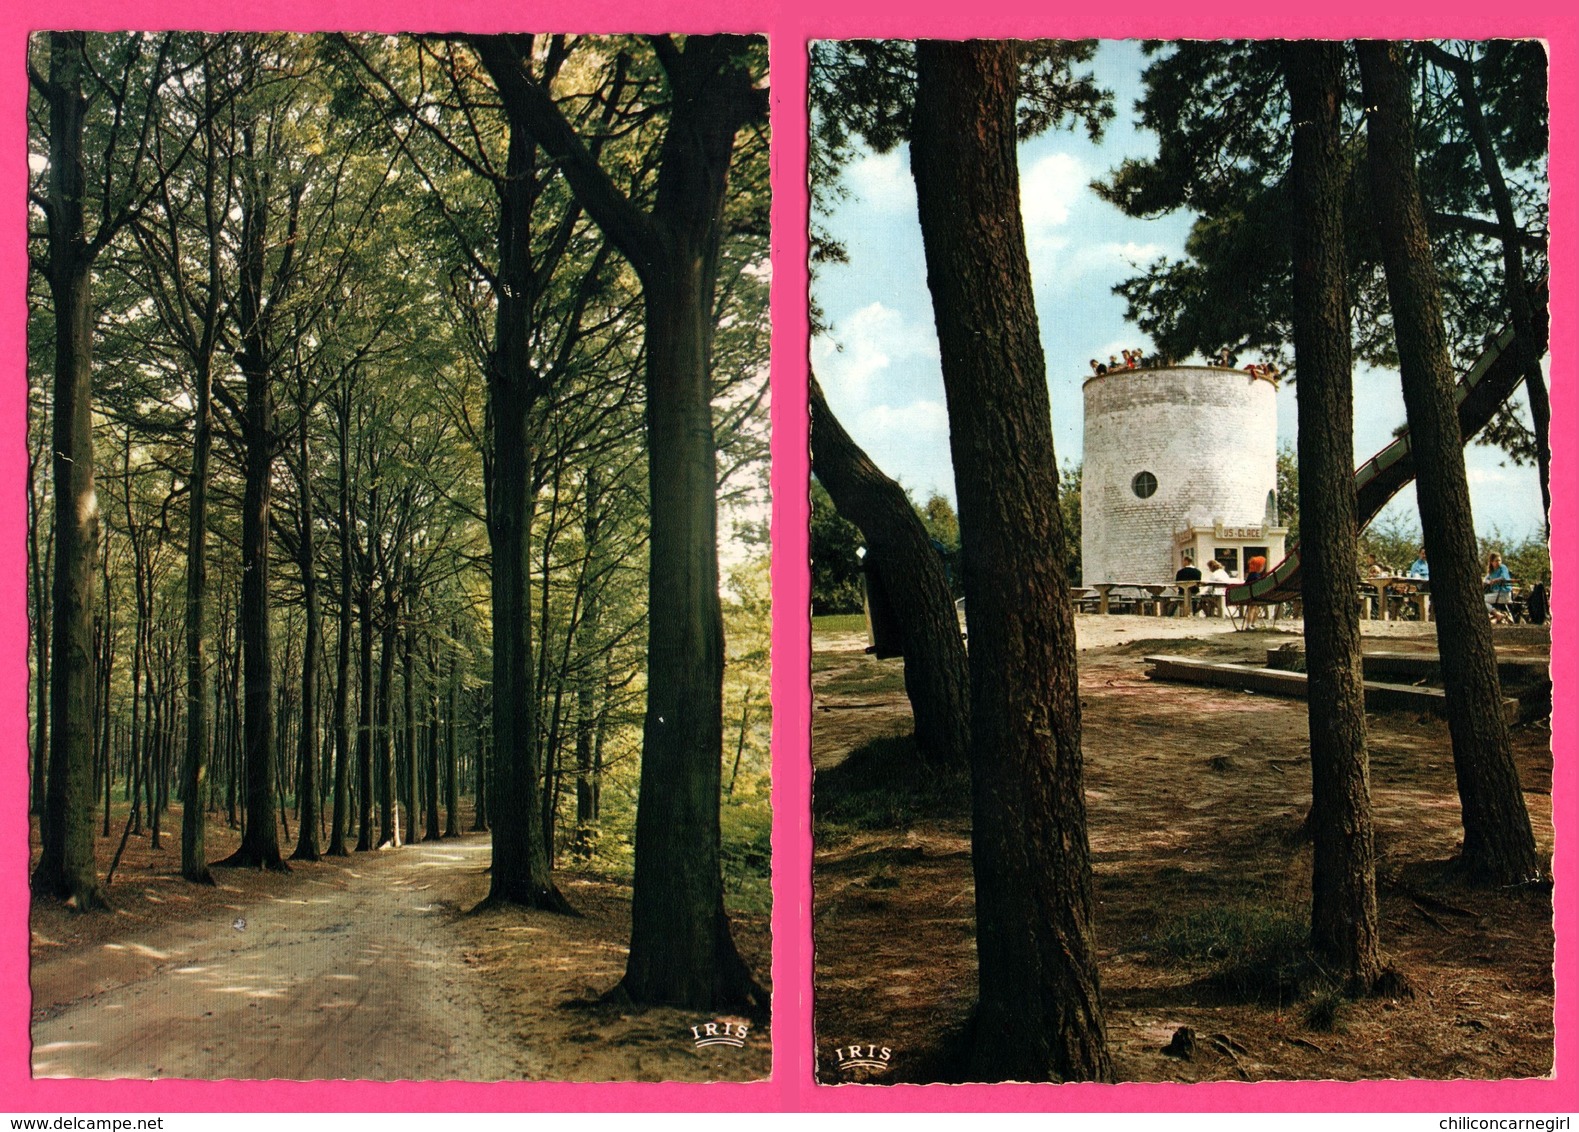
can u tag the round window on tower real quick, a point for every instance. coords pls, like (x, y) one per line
(1144, 484)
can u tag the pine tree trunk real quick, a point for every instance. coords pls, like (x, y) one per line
(1039, 1016)
(67, 869)
(1499, 846)
(937, 679)
(1343, 908)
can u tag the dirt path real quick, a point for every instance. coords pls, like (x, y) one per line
(353, 972)
(1195, 798)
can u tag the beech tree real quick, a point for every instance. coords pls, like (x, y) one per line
(124, 85)
(681, 948)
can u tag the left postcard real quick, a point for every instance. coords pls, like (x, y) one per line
(397, 559)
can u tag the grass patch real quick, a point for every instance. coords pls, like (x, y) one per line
(885, 785)
(839, 623)
(1257, 952)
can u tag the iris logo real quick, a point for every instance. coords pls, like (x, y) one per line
(724, 1033)
(862, 1057)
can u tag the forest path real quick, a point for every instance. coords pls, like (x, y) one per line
(352, 972)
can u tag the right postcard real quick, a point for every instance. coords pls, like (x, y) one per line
(1179, 560)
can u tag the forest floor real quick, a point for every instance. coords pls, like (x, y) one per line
(371, 967)
(1195, 798)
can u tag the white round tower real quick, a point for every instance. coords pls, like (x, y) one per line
(1180, 464)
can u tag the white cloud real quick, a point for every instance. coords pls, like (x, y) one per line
(907, 423)
(1047, 190)
(874, 338)
(1108, 257)
(882, 180)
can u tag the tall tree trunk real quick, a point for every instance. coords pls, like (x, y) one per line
(937, 679)
(364, 720)
(387, 834)
(342, 678)
(1040, 1015)
(520, 860)
(307, 741)
(38, 560)
(1499, 846)
(194, 858)
(431, 783)
(260, 843)
(67, 869)
(452, 759)
(409, 718)
(1343, 906)
(682, 951)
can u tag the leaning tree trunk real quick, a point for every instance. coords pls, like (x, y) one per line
(1039, 1015)
(937, 679)
(67, 869)
(1499, 846)
(1343, 906)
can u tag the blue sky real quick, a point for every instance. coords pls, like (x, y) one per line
(879, 362)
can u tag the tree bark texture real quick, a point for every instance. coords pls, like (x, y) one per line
(364, 718)
(67, 868)
(307, 741)
(342, 680)
(937, 679)
(1039, 1016)
(1499, 846)
(520, 859)
(1343, 907)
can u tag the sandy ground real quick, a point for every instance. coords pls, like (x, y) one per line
(364, 968)
(1195, 797)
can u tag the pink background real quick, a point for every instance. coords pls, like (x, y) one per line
(789, 27)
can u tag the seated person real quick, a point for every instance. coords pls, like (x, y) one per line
(1189, 572)
(1420, 568)
(1499, 590)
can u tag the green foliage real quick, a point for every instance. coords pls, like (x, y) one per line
(1257, 952)
(1288, 492)
(1069, 482)
(835, 567)
(1220, 113)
